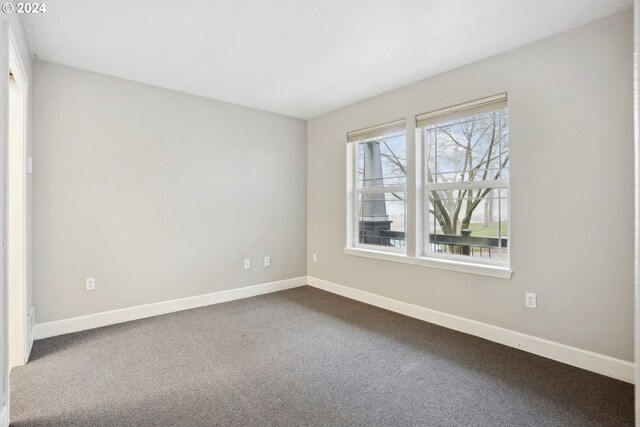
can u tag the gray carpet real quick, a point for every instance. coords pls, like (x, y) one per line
(301, 357)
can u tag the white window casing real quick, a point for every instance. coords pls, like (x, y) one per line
(421, 251)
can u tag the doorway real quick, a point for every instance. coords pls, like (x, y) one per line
(16, 212)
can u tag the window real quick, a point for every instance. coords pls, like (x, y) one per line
(466, 180)
(379, 187)
(443, 200)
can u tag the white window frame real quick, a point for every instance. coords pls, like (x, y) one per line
(354, 192)
(427, 253)
(416, 203)
(490, 103)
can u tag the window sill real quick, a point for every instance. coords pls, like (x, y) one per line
(452, 265)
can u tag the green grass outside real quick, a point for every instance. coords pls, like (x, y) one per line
(478, 229)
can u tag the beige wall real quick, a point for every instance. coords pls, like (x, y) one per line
(571, 145)
(157, 194)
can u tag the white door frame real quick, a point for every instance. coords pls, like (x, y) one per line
(636, 178)
(16, 212)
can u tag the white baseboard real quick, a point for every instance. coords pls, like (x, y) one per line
(31, 322)
(595, 362)
(4, 417)
(90, 321)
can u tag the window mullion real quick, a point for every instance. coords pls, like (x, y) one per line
(378, 190)
(475, 185)
(412, 206)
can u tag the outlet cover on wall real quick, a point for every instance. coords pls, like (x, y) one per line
(247, 264)
(315, 257)
(531, 300)
(90, 284)
(267, 261)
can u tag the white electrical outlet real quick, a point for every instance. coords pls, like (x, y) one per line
(247, 264)
(531, 300)
(315, 257)
(267, 261)
(90, 284)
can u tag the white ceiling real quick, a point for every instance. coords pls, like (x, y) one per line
(301, 58)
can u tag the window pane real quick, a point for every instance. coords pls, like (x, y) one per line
(469, 222)
(382, 219)
(382, 162)
(473, 148)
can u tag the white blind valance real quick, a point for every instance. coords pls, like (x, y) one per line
(491, 103)
(376, 131)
